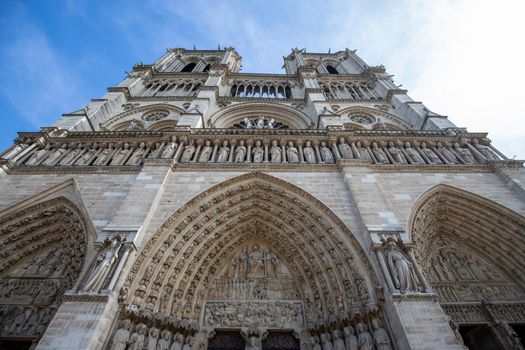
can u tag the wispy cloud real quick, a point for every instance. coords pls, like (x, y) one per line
(37, 82)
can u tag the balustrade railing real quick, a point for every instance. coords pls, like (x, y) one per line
(253, 147)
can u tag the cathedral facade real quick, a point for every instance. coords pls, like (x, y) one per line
(197, 207)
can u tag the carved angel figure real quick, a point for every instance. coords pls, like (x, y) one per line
(102, 267)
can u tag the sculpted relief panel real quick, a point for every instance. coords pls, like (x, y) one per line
(42, 250)
(461, 276)
(254, 287)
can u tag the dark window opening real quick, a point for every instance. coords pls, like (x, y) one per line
(189, 67)
(9, 344)
(331, 69)
(227, 340)
(479, 337)
(280, 341)
(207, 68)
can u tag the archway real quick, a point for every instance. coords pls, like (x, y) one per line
(207, 262)
(472, 251)
(43, 248)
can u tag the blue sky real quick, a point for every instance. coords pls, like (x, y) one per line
(461, 58)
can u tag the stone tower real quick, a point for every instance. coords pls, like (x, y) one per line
(197, 207)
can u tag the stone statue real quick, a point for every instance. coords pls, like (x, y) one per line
(292, 153)
(510, 334)
(105, 260)
(258, 152)
(153, 337)
(275, 153)
(206, 152)
(121, 337)
(379, 154)
(104, 155)
(345, 149)
(178, 342)
(188, 345)
(224, 152)
(188, 152)
(363, 152)
(154, 154)
(364, 339)
(253, 342)
(484, 150)
(259, 123)
(138, 154)
(431, 155)
(309, 153)
(248, 124)
(447, 154)
(339, 344)
(120, 155)
(396, 154)
(165, 340)
(350, 338)
(326, 154)
(86, 156)
(327, 342)
(240, 152)
(68, 158)
(381, 338)
(315, 343)
(465, 154)
(138, 338)
(170, 149)
(401, 269)
(414, 154)
(37, 156)
(55, 156)
(270, 124)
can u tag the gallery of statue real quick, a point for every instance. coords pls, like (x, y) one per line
(195, 206)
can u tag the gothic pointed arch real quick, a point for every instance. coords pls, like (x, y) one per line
(227, 117)
(471, 250)
(148, 113)
(45, 242)
(327, 271)
(371, 117)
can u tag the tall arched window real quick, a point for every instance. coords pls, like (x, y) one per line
(189, 67)
(331, 69)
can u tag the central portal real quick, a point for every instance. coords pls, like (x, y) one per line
(255, 294)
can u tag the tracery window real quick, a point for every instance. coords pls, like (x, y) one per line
(189, 67)
(261, 90)
(331, 69)
(259, 123)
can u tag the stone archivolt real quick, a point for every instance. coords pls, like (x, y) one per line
(452, 230)
(42, 249)
(183, 258)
